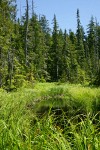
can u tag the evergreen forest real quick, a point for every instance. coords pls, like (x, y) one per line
(31, 51)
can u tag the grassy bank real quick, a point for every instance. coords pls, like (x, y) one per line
(50, 116)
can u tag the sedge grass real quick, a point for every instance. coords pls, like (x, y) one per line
(75, 127)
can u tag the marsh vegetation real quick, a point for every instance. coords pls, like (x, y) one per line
(50, 116)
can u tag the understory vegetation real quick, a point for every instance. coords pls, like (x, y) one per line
(50, 116)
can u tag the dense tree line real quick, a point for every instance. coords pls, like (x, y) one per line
(30, 50)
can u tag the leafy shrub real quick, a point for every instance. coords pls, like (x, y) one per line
(19, 81)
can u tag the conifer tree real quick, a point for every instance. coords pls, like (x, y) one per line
(79, 44)
(65, 65)
(54, 52)
(91, 46)
(73, 58)
(6, 53)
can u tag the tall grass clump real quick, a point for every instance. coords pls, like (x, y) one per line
(14, 119)
(50, 117)
(84, 135)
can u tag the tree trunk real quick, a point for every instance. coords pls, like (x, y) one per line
(26, 32)
(32, 8)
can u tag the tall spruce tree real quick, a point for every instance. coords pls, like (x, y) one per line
(91, 46)
(80, 45)
(73, 57)
(80, 49)
(65, 65)
(37, 48)
(59, 52)
(6, 53)
(54, 52)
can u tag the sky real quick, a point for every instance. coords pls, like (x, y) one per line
(65, 11)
